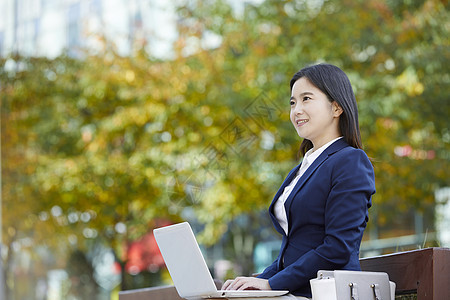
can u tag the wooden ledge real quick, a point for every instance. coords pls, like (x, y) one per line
(425, 272)
(154, 293)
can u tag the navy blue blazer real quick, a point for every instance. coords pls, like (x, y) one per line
(327, 212)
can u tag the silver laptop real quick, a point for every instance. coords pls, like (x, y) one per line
(188, 268)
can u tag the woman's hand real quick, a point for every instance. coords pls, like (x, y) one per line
(246, 283)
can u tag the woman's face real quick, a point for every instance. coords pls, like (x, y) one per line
(314, 117)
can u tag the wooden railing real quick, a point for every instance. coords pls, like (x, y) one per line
(153, 293)
(167, 292)
(424, 273)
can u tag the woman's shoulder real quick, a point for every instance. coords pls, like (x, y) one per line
(349, 150)
(341, 148)
(350, 155)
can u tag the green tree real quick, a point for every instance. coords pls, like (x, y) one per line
(102, 147)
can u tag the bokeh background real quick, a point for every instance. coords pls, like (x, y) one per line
(121, 116)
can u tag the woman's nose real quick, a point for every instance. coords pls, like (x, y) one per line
(298, 110)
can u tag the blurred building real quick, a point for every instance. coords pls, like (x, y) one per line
(49, 27)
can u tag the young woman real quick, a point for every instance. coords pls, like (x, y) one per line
(321, 209)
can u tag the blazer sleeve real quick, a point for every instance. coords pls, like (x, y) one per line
(346, 214)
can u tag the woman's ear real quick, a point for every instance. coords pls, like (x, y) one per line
(337, 109)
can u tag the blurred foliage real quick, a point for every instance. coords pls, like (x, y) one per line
(104, 146)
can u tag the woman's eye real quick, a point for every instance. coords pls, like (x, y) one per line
(292, 102)
(306, 98)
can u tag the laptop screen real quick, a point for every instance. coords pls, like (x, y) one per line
(184, 260)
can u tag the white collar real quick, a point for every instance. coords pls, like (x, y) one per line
(312, 154)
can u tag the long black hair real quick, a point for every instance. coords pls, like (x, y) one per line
(334, 83)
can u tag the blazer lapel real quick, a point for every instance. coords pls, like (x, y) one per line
(286, 182)
(333, 148)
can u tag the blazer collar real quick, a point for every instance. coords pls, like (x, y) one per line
(333, 148)
(336, 146)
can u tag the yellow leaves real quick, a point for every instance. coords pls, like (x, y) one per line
(129, 76)
(211, 233)
(218, 200)
(133, 115)
(409, 82)
(149, 172)
(217, 205)
(205, 110)
(179, 85)
(11, 231)
(185, 70)
(194, 137)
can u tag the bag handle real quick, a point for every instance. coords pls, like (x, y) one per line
(353, 291)
(376, 291)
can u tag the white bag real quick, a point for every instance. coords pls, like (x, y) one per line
(352, 285)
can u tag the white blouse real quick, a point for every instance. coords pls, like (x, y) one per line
(279, 208)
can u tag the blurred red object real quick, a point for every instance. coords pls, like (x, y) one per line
(144, 254)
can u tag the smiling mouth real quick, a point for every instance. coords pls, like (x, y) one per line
(301, 122)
